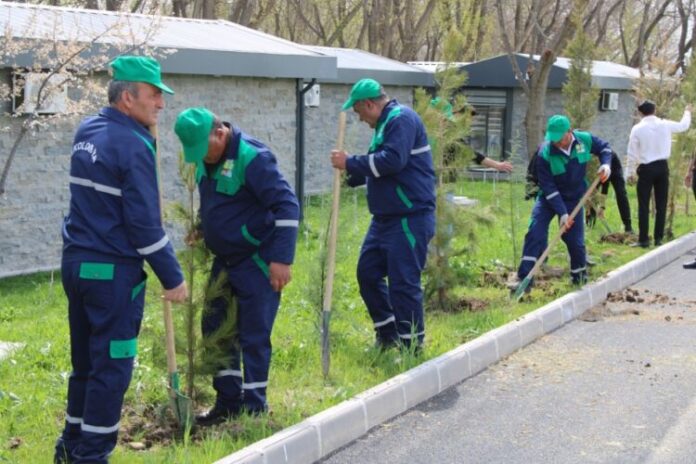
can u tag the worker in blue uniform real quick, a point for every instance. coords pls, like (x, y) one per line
(398, 171)
(561, 165)
(249, 219)
(113, 225)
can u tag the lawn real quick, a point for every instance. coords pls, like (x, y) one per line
(33, 311)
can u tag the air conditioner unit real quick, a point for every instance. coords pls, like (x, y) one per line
(609, 101)
(312, 96)
(26, 90)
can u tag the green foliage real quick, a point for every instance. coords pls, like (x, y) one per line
(580, 97)
(683, 147)
(447, 122)
(33, 380)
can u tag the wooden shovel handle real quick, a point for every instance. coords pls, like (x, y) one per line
(166, 305)
(555, 239)
(333, 225)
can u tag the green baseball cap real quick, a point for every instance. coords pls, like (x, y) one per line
(445, 107)
(193, 126)
(556, 127)
(139, 69)
(362, 90)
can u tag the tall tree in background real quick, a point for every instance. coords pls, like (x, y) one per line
(547, 30)
(579, 95)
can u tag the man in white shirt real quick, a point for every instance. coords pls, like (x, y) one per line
(649, 147)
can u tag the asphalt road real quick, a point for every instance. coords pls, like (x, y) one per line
(611, 387)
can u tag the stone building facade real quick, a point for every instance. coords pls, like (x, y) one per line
(37, 195)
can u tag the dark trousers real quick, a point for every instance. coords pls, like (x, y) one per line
(652, 176)
(394, 251)
(536, 241)
(241, 383)
(617, 181)
(693, 182)
(104, 311)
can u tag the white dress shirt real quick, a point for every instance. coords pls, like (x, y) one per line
(651, 140)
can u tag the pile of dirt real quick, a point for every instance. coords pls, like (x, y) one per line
(618, 237)
(631, 295)
(472, 304)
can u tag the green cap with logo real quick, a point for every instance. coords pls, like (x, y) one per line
(193, 126)
(139, 69)
(362, 90)
(556, 127)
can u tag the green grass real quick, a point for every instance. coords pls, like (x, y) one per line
(33, 311)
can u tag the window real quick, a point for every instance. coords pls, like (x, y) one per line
(488, 131)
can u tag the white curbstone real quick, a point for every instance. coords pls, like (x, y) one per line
(421, 383)
(453, 367)
(551, 316)
(249, 455)
(508, 339)
(384, 401)
(340, 424)
(299, 445)
(531, 328)
(483, 352)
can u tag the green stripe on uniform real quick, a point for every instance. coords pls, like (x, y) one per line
(407, 231)
(404, 198)
(97, 271)
(137, 289)
(250, 238)
(261, 264)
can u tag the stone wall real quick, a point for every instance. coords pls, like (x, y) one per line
(321, 132)
(612, 126)
(37, 193)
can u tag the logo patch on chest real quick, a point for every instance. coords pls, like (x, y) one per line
(227, 167)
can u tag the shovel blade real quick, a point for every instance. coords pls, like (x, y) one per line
(521, 288)
(181, 405)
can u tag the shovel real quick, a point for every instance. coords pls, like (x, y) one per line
(180, 403)
(331, 255)
(528, 278)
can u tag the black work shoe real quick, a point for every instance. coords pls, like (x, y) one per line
(217, 415)
(640, 244)
(690, 265)
(385, 345)
(62, 454)
(658, 243)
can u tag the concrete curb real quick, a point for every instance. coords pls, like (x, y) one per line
(323, 433)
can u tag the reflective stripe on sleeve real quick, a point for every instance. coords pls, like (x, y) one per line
(418, 151)
(287, 223)
(550, 196)
(373, 168)
(98, 187)
(148, 250)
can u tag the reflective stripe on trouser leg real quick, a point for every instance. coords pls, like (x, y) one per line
(112, 315)
(536, 239)
(257, 306)
(228, 380)
(404, 267)
(371, 274)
